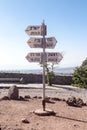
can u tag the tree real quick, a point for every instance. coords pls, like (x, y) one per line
(80, 75)
(50, 74)
(50, 69)
(84, 62)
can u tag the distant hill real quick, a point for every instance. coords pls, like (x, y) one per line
(57, 71)
(64, 71)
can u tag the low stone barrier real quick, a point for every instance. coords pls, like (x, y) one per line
(32, 78)
(7, 80)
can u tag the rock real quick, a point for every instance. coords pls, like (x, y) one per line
(13, 92)
(48, 100)
(56, 99)
(35, 97)
(24, 120)
(39, 97)
(71, 101)
(85, 103)
(21, 98)
(27, 96)
(77, 102)
(5, 98)
(75, 125)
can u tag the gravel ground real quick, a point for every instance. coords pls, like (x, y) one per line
(60, 91)
(13, 112)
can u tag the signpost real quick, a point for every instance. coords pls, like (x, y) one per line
(38, 30)
(50, 43)
(44, 43)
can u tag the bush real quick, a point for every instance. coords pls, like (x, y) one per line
(80, 75)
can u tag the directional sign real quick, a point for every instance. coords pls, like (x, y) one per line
(54, 57)
(38, 42)
(35, 30)
(49, 57)
(42, 57)
(34, 57)
(50, 42)
(35, 42)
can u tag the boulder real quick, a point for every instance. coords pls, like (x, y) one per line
(73, 101)
(5, 98)
(24, 120)
(13, 93)
(79, 102)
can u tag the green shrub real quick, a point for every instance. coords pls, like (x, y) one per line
(80, 75)
(50, 75)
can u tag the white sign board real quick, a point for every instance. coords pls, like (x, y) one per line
(50, 42)
(34, 57)
(35, 30)
(49, 57)
(38, 42)
(35, 42)
(54, 57)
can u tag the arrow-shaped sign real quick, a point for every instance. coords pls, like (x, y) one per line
(35, 30)
(35, 42)
(50, 42)
(38, 42)
(33, 57)
(53, 57)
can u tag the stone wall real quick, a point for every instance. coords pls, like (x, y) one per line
(34, 78)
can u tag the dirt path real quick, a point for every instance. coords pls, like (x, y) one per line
(66, 118)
